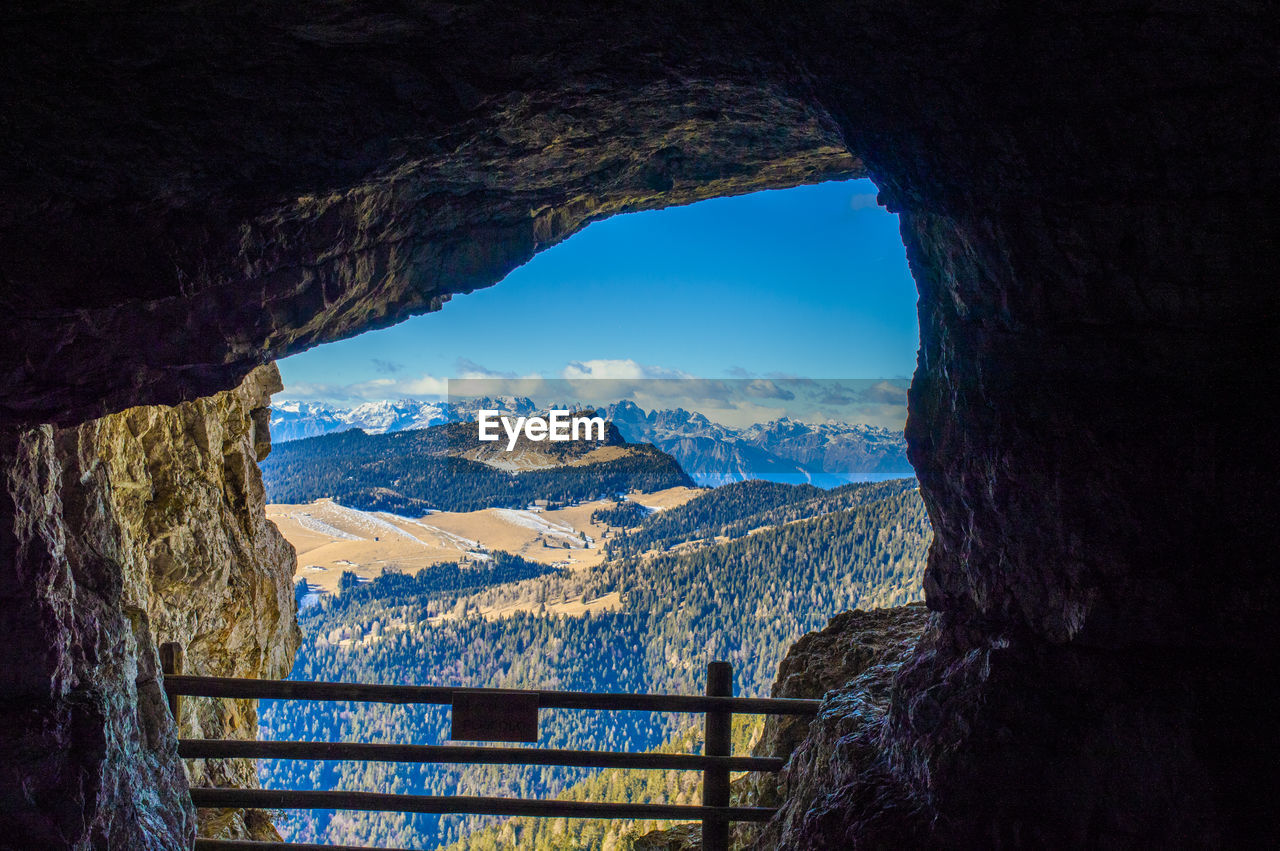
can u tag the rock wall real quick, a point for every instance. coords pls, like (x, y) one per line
(128, 531)
(850, 665)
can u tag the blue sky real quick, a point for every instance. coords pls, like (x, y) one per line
(809, 282)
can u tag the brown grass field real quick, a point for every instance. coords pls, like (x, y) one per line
(331, 539)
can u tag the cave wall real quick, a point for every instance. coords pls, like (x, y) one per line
(131, 530)
(1084, 191)
(1087, 424)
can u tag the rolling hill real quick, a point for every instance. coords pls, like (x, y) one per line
(445, 468)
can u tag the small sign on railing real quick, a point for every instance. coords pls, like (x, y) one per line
(486, 715)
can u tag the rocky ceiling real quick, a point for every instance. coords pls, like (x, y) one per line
(240, 183)
(1086, 193)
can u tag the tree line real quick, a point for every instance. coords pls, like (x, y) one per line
(734, 509)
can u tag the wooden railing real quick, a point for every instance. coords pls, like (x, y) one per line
(489, 715)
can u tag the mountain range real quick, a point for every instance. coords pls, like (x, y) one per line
(295, 420)
(784, 449)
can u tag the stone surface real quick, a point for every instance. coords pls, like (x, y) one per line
(836, 791)
(850, 665)
(1085, 192)
(128, 531)
(680, 837)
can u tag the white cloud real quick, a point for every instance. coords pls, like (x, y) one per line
(426, 385)
(372, 390)
(618, 369)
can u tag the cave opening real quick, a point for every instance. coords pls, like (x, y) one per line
(734, 316)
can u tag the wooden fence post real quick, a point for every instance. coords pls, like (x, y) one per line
(715, 781)
(171, 665)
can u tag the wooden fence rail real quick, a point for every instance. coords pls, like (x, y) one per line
(444, 695)
(718, 705)
(467, 755)
(291, 799)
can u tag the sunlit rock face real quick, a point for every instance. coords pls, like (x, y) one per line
(130, 530)
(1085, 194)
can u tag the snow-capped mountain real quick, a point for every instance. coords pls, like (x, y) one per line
(381, 417)
(781, 450)
(832, 446)
(296, 420)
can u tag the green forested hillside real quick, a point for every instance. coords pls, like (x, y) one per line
(745, 600)
(438, 580)
(622, 514)
(411, 472)
(735, 509)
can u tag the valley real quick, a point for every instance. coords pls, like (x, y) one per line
(738, 572)
(426, 557)
(331, 538)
